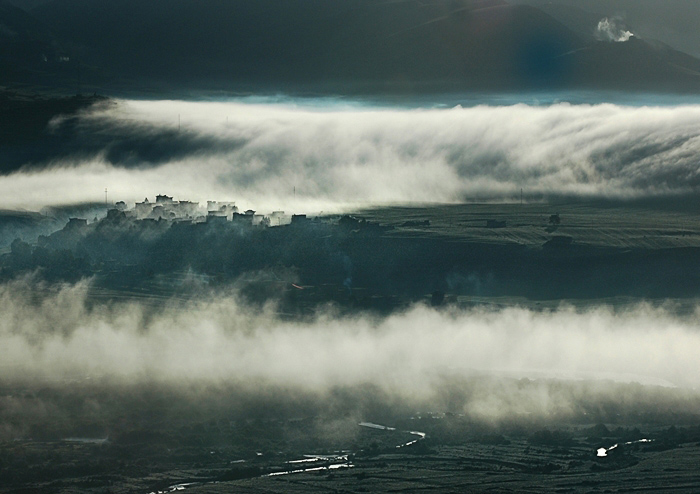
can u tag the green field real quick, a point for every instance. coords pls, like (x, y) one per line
(623, 227)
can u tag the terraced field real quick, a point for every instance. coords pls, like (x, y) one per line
(623, 227)
(515, 467)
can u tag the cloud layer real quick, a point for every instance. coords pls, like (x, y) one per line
(52, 336)
(328, 156)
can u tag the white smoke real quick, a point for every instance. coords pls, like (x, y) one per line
(612, 29)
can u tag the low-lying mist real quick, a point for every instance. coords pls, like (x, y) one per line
(485, 363)
(328, 156)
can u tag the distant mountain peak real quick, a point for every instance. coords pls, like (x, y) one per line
(355, 45)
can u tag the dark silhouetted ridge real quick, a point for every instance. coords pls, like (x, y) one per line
(350, 45)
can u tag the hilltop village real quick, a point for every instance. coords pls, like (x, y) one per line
(464, 255)
(165, 208)
(162, 246)
(150, 219)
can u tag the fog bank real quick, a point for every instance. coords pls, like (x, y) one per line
(329, 155)
(53, 335)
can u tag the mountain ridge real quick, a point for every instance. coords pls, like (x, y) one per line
(353, 46)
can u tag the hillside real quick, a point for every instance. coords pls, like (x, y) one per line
(356, 45)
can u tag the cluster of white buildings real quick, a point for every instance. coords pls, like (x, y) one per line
(166, 208)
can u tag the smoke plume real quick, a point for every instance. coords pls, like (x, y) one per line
(612, 30)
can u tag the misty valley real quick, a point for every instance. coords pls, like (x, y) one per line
(172, 345)
(349, 246)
